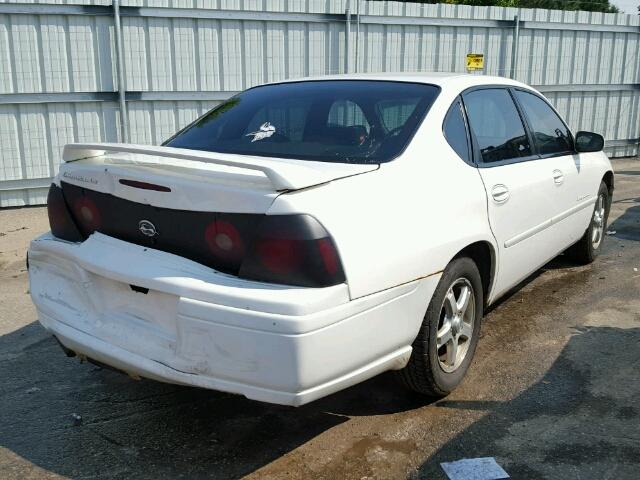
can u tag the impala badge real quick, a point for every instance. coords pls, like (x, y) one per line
(147, 228)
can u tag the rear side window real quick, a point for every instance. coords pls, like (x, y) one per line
(496, 124)
(550, 134)
(455, 132)
(346, 121)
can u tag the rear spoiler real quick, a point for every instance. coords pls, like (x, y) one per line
(283, 174)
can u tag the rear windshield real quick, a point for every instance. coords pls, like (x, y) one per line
(346, 121)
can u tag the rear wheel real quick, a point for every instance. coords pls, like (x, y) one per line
(589, 246)
(444, 347)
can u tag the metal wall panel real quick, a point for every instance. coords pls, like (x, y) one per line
(181, 57)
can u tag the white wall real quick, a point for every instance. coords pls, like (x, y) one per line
(188, 57)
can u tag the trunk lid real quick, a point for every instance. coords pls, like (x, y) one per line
(197, 205)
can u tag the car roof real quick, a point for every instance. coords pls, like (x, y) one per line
(459, 81)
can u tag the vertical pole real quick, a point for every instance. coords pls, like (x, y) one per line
(347, 37)
(637, 104)
(358, 36)
(124, 122)
(514, 48)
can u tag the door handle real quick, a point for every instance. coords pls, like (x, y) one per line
(500, 193)
(558, 177)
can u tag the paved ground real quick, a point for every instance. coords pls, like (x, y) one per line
(553, 392)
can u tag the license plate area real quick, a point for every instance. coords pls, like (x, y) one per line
(135, 318)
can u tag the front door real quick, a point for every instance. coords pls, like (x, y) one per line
(575, 178)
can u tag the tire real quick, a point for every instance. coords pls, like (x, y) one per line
(432, 371)
(587, 248)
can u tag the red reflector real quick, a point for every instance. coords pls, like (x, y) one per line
(87, 214)
(224, 240)
(144, 185)
(329, 255)
(279, 255)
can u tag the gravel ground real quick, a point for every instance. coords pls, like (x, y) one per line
(553, 392)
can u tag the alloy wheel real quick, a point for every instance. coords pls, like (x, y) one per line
(455, 328)
(598, 222)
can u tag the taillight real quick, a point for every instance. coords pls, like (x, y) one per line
(285, 249)
(87, 214)
(292, 250)
(144, 185)
(280, 256)
(60, 220)
(224, 241)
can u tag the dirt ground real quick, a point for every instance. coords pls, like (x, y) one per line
(553, 392)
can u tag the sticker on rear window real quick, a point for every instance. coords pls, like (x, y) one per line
(265, 131)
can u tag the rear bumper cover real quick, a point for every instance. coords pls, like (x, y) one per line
(286, 345)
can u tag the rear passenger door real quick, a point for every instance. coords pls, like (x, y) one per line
(519, 185)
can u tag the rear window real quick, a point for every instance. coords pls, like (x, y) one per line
(344, 121)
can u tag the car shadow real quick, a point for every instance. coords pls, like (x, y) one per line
(627, 225)
(146, 429)
(580, 421)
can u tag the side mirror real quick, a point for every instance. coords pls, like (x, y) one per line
(589, 142)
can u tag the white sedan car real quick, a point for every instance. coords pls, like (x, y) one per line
(304, 236)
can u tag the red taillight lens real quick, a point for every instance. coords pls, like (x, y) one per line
(280, 256)
(293, 250)
(224, 241)
(144, 185)
(329, 256)
(87, 214)
(60, 221)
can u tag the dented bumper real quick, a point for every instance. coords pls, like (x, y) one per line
(157, 315)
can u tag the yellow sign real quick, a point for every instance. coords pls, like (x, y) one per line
(475, 61)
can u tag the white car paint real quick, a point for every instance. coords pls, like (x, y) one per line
(396, 226)
(273, 343)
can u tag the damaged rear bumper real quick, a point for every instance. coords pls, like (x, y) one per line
(159, 316)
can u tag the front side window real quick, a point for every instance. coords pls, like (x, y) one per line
(456, 133)
(496, 124)
(346, 121)
(550, 134)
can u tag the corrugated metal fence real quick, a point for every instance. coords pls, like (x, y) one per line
(58, 65)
